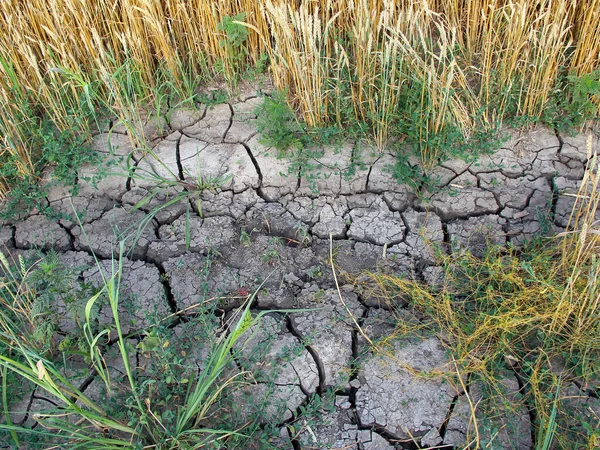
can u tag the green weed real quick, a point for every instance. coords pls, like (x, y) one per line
(62, 149)
(165, 404)
(278, 126)
(245, 238)
(233, 41)
(572, 104)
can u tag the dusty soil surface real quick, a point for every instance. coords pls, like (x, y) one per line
(267, 223)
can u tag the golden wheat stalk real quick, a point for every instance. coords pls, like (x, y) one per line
(463, 54)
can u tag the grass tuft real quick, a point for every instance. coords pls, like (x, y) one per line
(534, 312)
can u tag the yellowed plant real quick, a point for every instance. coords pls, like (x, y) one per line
(586, 37)
(299, 59)
(531, 312)
(548, 40)
(427, 45)
(579, 308)
(466, 55)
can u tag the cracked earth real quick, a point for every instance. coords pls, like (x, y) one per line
(221, 244)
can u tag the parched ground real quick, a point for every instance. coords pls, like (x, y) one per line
(268, 224)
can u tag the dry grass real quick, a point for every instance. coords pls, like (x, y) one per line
(586, 57)
(536, 312)
(461, 56)
(578, 311)
(112, 50)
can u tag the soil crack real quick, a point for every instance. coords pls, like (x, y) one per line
(313, 353)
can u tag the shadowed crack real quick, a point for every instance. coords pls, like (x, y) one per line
(295, 443)
(13, 242)
(255, 164)
(164, 280)
(561, 142)
(524, 391)
(313, 353)
(45, 399)
(27, 410)
(178, 159)
(305, 391)
(194, 207)
(461, 216)
(447, 239)
(554, 198)
(86, 382)
(444, 426)
(354, 362)
(593, 393)
(392, 439)
(131, 174)
(299, 179)
(69, 233)
(458, 173)
(230, 122)
(33, 397)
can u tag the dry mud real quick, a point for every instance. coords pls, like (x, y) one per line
(266, 220)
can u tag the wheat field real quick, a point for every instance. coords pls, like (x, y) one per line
(468, 61)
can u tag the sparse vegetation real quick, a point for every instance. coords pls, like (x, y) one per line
(163, 401)
(425, 73)
(533, 312)
(426, 79)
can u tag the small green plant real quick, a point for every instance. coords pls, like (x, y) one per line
(213, 97)
(166, 407)
(270, 256)
(245, 237)
(314, 272)
(272, 253)
(278, 126)
(574, 102)
(235, 35)
(63, 149)
(302, 234)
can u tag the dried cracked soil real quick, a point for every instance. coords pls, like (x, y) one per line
(265, 220)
